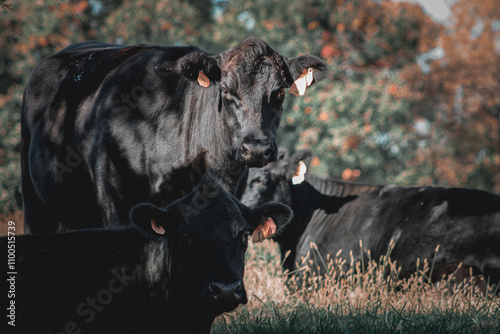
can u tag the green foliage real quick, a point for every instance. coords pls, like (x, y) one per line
(283, 24)
(355, 117)
(10, 132)
(166, 22)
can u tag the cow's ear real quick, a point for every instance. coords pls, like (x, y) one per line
(155, 220)
(305, 71)
(200, 67)
(298, 165)
(268, 219)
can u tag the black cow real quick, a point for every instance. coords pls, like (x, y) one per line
(104, 125)
(337, 215)
(180, 269)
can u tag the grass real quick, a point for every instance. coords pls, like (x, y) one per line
(365, 298)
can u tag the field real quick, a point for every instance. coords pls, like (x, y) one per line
(373, 300)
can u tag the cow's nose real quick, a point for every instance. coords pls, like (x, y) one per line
(267, 154)
(258, 152)
(232, 293)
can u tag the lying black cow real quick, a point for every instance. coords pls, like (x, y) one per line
(180, 269)
(337, 215)
(104, 125)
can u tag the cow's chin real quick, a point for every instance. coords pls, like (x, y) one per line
(223, 306)
(255, 158)
(255, 163)
(218, 307)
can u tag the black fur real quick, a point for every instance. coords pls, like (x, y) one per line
(133, 280)
(104, 126)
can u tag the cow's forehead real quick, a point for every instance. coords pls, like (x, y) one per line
(252, 56)
(211, 213)
(212, 226)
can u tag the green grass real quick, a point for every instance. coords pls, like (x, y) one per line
(271, 318)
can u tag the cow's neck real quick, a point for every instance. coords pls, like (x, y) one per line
(316, 200)
(304, 200)
(205, 131)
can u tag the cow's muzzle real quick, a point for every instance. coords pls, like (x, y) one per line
(257, 154)
(228, 295)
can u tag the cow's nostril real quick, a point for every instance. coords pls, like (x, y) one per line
(234, 291)
(214, 289)
(268, 154)
(245, 148)
(241, 294)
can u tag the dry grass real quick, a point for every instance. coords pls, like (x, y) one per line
(366, 297)
(16, 217)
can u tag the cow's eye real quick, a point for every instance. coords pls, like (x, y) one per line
(255, 182)
(225, 91)
(281, 92)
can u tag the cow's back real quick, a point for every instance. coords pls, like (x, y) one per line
(464, 223)
(56, 126)
(410, 223)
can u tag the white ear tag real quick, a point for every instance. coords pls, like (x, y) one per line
(309, 76)
(305, 80)
(157, 228)
(300, 174)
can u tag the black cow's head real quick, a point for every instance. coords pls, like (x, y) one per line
(275, 181)
(207, 233)
(251, 80)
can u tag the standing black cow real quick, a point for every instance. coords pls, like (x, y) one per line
(103, 125)
(337, 215)
(180, 269)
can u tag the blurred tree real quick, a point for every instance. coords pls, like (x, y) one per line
(360, 130)
(51, 26)
(166, 22)
(396, 108)
(465, 82)
(5, 5)
(285, 25)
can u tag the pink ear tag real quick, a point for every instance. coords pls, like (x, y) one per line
(157, 228)
(203, 80)
(264, 230)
